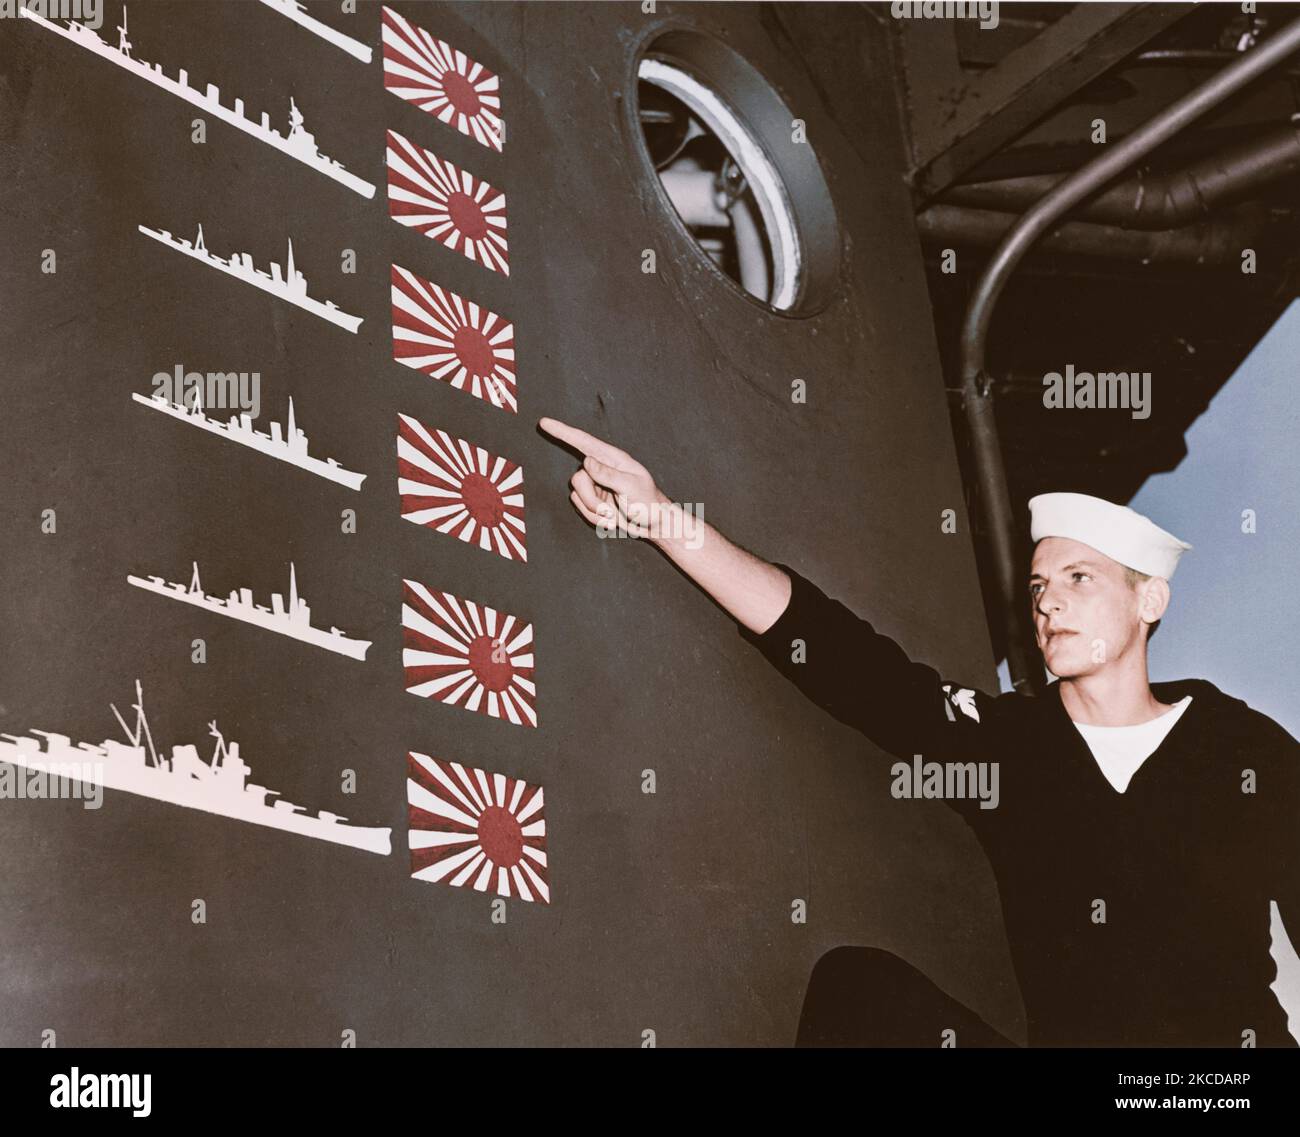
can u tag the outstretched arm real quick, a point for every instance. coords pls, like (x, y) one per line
(612, 487)
(832, 655)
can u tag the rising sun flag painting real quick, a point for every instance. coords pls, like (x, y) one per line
(473, 829)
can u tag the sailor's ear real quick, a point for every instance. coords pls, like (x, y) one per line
(1153, 599)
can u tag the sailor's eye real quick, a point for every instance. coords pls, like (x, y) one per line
(1087, 576)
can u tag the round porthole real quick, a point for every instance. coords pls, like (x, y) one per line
(731, 159)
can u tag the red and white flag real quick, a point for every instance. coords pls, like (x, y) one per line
(452, 486)
(447, 204)
(470, 828)
(453, 339)
(468, 655)
(429, 72)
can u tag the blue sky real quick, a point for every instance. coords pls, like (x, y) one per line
(1233, 618)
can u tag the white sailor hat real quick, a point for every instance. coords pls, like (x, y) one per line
(1121, 533)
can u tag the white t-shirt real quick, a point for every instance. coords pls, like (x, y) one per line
(1121, 750)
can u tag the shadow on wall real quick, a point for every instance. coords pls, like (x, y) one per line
(868, 997)
(861, 996)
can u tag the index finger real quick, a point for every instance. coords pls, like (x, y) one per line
(589, 444)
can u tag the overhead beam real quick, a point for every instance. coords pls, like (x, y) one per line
(958, 120)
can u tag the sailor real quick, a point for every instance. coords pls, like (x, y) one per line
(1142, 829)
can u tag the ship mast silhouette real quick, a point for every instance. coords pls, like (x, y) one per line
(219, 752)
(141, 724)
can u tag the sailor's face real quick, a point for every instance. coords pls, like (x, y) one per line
(1085, 612)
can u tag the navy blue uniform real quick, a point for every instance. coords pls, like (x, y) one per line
(1185, 860)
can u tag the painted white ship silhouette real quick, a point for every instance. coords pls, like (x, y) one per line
(292, 619)
(299, 144)
(290, 285)
(289, 445)
(220, 786)
(298, 14)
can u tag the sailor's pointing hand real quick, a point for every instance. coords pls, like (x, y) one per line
(610, 487)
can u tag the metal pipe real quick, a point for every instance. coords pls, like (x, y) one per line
(1193, 56)
(1189, 56)
(1114, 160)
(1157, 201)
(1217, 243)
